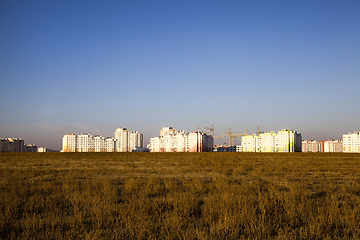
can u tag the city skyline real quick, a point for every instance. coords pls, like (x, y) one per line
(91, 67)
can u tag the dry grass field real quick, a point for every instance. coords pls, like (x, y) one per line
(179, 196)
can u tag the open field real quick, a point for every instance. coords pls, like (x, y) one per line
(179, 196)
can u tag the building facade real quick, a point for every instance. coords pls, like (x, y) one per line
(311, 146)
(85, 143)
(171, 140)
(284, 141)
(351, 142)
(333, 146)
(110, 144)
(69, 142)
(99, 144)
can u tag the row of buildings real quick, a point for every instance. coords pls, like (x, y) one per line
(322, 146)
(12, 145)
(18, 145)
(349, 144)
(124, 141)
(285, 140)
(171, 140)
(290, 141)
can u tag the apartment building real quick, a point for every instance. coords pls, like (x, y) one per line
(69, 142)
(333, 145)
(284, 141)
(249, 143)
(136, 140)
(85, 143)
(171, 140)
(122, 140)
(267, 142)
(110, 144)
(311, 146)
(99, 144)
(351, 142)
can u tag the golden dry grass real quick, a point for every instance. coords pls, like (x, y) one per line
(179, 196)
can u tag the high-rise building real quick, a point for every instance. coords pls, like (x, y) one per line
(267, 142)
(69, 142)
(171, 140)
(198, 141)
(249, 143)
(110, 144)
(284, 141)
(85, 143)
(288, 141)
(351, 142)
(136, 140)
(122, 140)
(99, 144)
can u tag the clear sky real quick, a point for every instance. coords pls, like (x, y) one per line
(94, 66)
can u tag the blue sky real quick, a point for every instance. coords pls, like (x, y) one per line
(94, 66)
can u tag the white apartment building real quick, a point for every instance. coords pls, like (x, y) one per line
(351, 142)
(42, 149)
(136, 140)
(69, 142)
(85, 143)
(99, 144)
(122, 140)
(171, 140)
(249, 143)
(110, 144)
(284, 141)
(267, 142)
(333, 146)
(288, 141)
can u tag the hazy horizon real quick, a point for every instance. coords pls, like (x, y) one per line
(94, 66)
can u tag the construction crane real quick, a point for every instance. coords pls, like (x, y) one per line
(231, 136)
(211, 129)
(258, 131)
